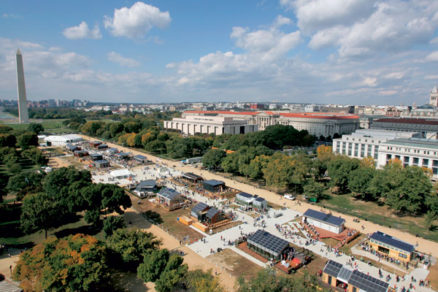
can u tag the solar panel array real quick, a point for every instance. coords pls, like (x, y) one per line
(245, 195)
(367, 283)
(328, 218)
(345, 274)
(268, 242)
(212, 212)
(168, 193)
(214, 182)
(388, 239)
(332, 268)
(199, 207)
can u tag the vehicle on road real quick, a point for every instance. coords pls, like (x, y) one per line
(289, 197)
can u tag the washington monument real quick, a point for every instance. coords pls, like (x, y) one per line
(23, 115)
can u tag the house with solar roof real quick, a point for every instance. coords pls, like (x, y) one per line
(337, 275)
(199, 211)
(170, 199)
(214, 185)
(323, 220)
(267, 245)
(249, 201)
(392, 247)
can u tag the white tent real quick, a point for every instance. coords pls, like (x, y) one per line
(120, 173)
(62, 140)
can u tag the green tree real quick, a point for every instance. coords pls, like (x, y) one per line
(314, 190)
(339, 169)
(213, 159)
(200, 281)
(27, 139)
(40, 212)
(75, 263)
(153, 265)
(111, 224)
(103, 198)
(129, 246)
(359, 181)
(35, 127)
(7, 140)
(173, 275)
(25, 182)
(35, 155)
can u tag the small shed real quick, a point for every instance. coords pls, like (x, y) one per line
(147, 186)
(169, 198)
(80, 153)
(325, 221)
(243, 198)
(120, 173)
(122, 155)
(72, 148)
(102, 163)
(214, 185)
(140, 158)
(260, 203)
(199, 211)
(112, 151)
(102, 146)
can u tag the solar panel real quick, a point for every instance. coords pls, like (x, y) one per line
(392, 241)
(344, 274)
(214, 182)
(328, 218)
(245, 195)
(268, 242)
(199, 207)
(367, 283)
(168, 193)
(212, 212)
(332, 268)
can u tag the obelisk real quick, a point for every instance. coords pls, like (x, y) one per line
(23, 115)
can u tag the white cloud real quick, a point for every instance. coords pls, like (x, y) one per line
(281, 20)
(433, 57)
(136, 21)
(122, 61)
(82, 31)
(370, 81)
(318, 14)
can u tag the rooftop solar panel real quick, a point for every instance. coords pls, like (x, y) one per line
(245, 195)
(327, 218)
(344, 274)
(169, 193)
(199, 207)
(214, 182)
(367, 283)
(212, 212)
(392, 241)
(332, 268)
(268, 242)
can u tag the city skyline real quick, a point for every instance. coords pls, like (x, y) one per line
(346, 52)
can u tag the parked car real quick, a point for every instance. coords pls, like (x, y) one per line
(289, 197)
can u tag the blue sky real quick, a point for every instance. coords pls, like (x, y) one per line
(318, 51)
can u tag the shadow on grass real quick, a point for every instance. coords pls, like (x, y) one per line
(85, 229)
(153, 217)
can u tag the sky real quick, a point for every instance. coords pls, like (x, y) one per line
(312, 51)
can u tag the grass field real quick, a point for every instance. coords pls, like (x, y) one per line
(382, 215)
(50, 125)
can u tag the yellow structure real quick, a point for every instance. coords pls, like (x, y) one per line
(391, 247)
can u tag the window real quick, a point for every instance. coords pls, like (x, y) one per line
(329, 280)
(435, 163)
(402, 255)
(425, 162)
(354, 289)
(416, 160)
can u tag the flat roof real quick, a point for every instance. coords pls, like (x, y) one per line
(407, 121)
(146, 184)
(245, 195)
(320, 115)
(327, 218)
(268, 242)
(415, 142)
(212, 212)
(392, 241)
(190, 175)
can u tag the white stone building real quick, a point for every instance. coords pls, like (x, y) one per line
(325, 124)
(413, 152)
(366, 142)
(433, 100)
(191, 125)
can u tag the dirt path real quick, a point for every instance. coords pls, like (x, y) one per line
(424, 245)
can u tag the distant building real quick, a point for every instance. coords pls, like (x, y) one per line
(102, 163)
(335, 274)
(324, 221)
(248, 200)
(170, 198)
(63, 140)
(191, 125)
(433, 99)
(317, 124)
(413, 152)
(428, 127)
(366, 142)
(214, 185)
(392, 247)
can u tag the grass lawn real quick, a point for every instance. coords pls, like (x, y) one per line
(382, 215)
(50, 125)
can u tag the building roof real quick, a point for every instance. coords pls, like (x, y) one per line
(259, 199)
(169, 193)
(212, 212)
(214, 183)
(95, 155)
(192, 176)
(245, 195)
(367, 283)
(326, 218)
(355, 278)
(146, 184)
(138, 156)
(330, 116)
(122, 154)
(414, 142)
(392, 241)
(102, 161)
(199, 207)
(268, 242)
(407, 121)
(120, 172)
